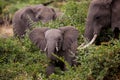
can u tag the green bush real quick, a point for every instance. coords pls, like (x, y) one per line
(17, 58)
(99, 61)
(21, 60)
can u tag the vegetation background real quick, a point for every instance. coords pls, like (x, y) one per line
(21, 60)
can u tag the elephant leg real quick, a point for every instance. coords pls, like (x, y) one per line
(116, 33)
(62, 66)
(50, 69)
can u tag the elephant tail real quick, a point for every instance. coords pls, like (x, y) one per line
(47, 3)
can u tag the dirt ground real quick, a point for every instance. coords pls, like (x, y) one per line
(6, 31)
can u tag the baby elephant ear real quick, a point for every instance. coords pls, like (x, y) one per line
(37, 37)
(70, 35)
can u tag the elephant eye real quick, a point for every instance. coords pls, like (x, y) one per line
(39, 17)
(97, 17)
(59, 39)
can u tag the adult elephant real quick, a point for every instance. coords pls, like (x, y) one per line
(102, 14)
(61, 42)
(23, 17)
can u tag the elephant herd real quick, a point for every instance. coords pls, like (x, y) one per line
(22, 18)
(63, 41)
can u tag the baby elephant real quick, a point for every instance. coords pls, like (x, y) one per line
(61, 42)
(23, 18)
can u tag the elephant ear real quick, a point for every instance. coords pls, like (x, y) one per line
(103, 2)
(37, 37)
(54, 15)
(70, 35)
(107, 1)
(28, 13)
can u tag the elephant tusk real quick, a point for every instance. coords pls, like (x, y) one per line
(91, 42)
(45, 49)
(79, 47)
(57, 47)
(82, 44)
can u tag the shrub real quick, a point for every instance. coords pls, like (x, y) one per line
(17, 58)
(99, 61)
(21, 60)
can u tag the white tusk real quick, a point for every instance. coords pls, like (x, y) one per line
(57, 47)
(91, 42)
(45, 49)
(82, 44)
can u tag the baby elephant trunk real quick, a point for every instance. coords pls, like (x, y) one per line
(51, 48)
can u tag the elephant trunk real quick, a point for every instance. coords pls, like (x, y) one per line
(51, 48)
(89, 30)
(91, 33)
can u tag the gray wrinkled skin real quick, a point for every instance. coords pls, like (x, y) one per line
(64, 38)
(102, 14)
(23, 18)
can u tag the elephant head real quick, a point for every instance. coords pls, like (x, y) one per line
(44, 13)
(23, 18)
(54, 40)
(98, 18)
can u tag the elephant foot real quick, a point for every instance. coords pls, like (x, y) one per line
(63, 68)
(116, 33)
(50, 69)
